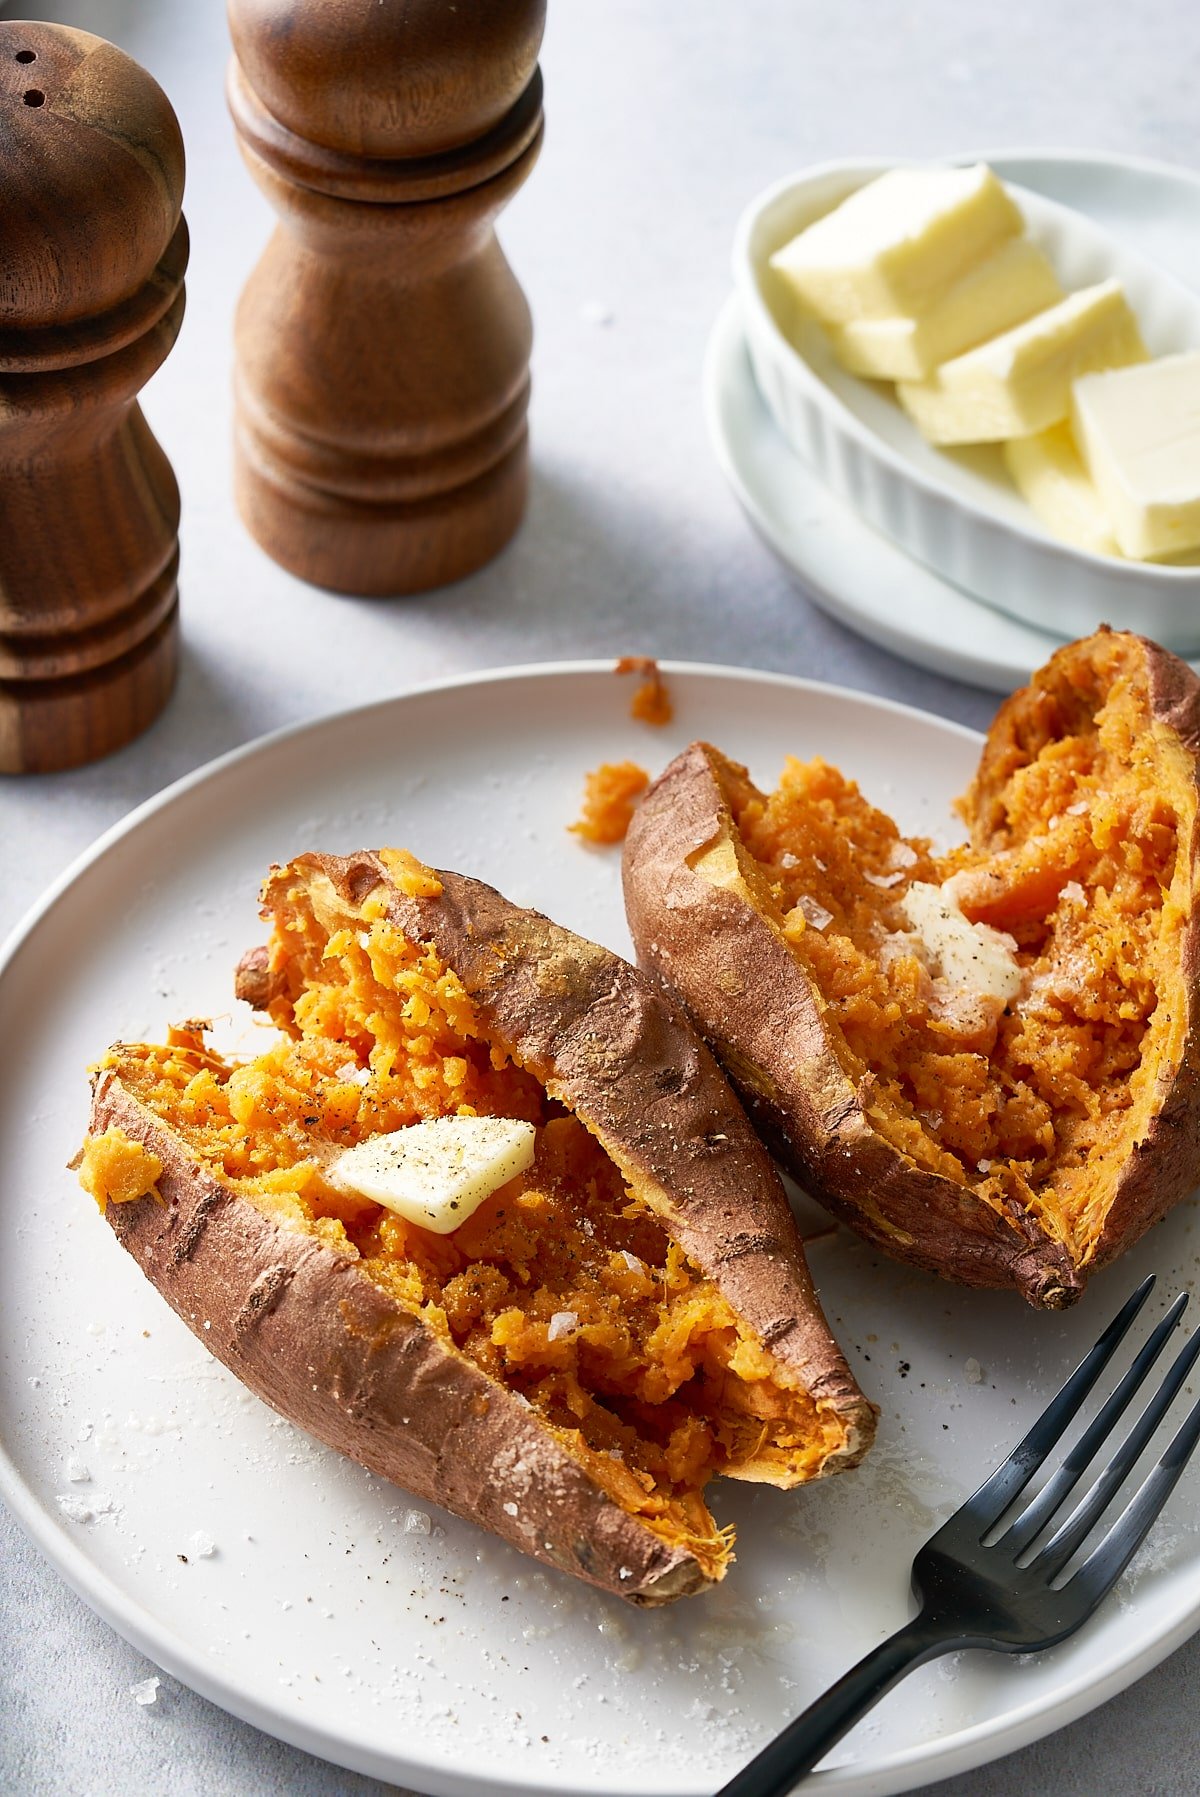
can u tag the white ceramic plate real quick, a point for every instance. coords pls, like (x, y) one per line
(859, 575)
(957, 511)
(443, 1660)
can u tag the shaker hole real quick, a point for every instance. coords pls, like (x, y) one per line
(26, 56)
(34, 97)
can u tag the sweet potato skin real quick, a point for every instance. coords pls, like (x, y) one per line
(1164, 1166)
(762, 1015)
(309, 1332)
(315, 1338)
(625, 1057)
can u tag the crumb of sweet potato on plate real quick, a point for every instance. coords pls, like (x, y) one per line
(610, 793)
(651, 703)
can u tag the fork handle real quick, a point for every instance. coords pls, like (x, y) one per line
(774, 1771)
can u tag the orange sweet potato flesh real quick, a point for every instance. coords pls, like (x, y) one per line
(651, 1225)
(1023, 1144)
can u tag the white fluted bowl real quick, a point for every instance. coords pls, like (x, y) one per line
(957, 510)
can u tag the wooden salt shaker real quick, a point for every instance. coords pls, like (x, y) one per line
(383, 342)
(92, 256)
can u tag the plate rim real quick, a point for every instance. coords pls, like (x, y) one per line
(895, 1772)
(128, 1617)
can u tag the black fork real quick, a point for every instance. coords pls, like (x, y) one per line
(973, 1594)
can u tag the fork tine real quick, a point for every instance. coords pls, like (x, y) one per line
(1033, 1520)
(1105, 1564)
(1065, 1540)
(996, 1493)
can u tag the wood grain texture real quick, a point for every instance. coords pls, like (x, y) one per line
(91, 301)
(383, 341)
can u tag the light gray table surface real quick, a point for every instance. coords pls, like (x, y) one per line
(662, 120)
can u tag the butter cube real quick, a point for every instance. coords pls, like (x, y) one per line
(1009, 286)
(896, 244)
(1139, 432)
(1020, 382)
(1048, 472)
(437, 1172)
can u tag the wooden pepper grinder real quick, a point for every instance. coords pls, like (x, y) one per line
(92, 256)
(382, 341)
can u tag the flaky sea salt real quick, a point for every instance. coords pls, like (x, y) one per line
(1079, 809)
(884, 880)
(563, 1322)
(632, 1262)
(202, 1544)
(77, 1472)
(145, 1691)
(510, 1509)
(76, 1510)
(787, 859)
(902, 855)
(1074, 894)
(416, 1522)
(813, 912)
(351, 1074)
(973, 1371)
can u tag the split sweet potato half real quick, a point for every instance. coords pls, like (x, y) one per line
(608, 1331)
(1019, 1138)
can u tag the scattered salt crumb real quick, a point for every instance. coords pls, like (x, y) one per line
(1079, 809)
(884, 879)
(75, 1509)
(983, 1166)
(145, 1691)
(85, 1431)
(351, 1074)
(902, 855)
(626, 1572)
(77, 1472)
(596, 312)
(813, 912)
(563, 1322)
(364, 939)
(789, 860)
(974, 1371)
(632, 1262)
(510, 1509)
(416, 1522)
(1074, 894)
(202, 1544)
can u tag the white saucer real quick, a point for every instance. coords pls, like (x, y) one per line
(850, 570)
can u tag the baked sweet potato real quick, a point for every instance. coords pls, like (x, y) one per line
(571, 1365)
(1021, 1136)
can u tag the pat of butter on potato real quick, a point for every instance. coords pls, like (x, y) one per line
(436, 1173)
(970, 956)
